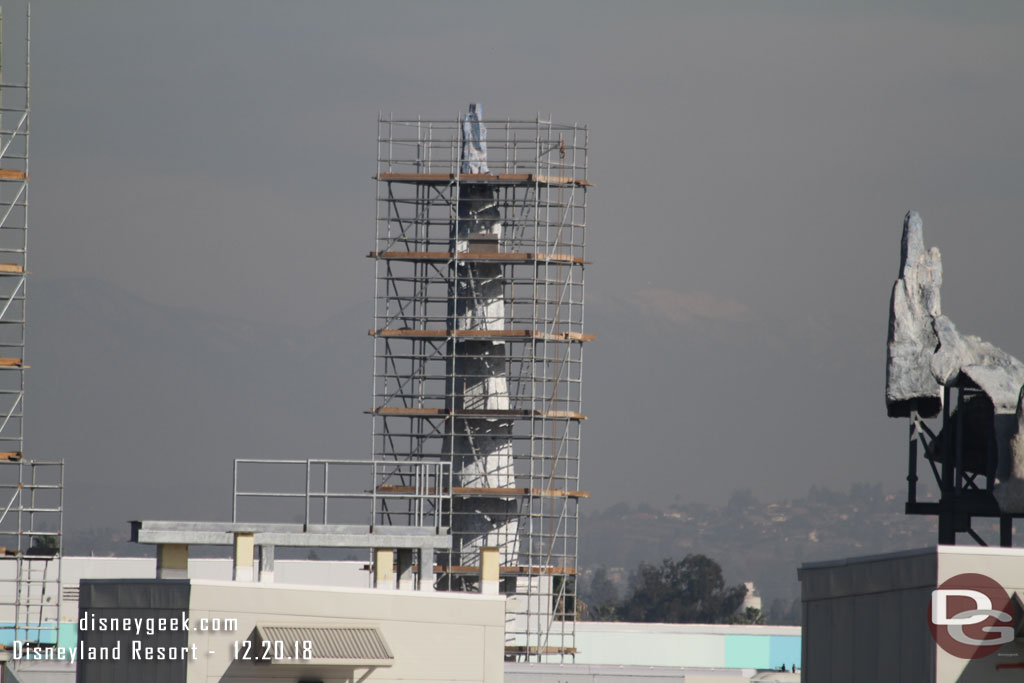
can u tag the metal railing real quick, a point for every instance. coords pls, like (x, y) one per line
(414, 493)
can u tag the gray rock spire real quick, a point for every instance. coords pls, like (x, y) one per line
(915, 303)
(927, 353)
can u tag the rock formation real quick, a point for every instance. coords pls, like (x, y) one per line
(926, 353)
(915, 303)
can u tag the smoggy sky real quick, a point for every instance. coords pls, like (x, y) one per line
(752, 169)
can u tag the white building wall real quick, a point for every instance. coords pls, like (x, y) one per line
(434, 636)
(299, 572)
(1006, 567)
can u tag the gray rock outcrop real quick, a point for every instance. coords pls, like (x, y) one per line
(927, 353)
(913, 307)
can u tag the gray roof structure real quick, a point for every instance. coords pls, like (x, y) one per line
(290, 535)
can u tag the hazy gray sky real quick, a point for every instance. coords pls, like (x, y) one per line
(752, 168)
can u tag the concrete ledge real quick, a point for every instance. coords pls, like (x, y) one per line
(288, 535)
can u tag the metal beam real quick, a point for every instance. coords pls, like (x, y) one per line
(316, 536)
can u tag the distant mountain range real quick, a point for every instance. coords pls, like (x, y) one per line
(763, 542)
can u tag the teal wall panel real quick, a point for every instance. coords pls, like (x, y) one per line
(743, 652)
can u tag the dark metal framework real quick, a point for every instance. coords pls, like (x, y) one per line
(964, 469)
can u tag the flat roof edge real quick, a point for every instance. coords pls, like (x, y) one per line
(937, 550)
(862, 559)
(688, 629)
(433, 595)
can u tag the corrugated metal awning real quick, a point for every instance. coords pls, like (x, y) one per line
(324, 644)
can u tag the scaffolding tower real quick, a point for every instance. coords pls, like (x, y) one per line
(478, 337)
(31, 492)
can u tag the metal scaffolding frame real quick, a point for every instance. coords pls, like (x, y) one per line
(14, 174)
(31, 526)
(478, 335)
(31, 492)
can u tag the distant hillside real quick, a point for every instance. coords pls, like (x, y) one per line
(756, 541)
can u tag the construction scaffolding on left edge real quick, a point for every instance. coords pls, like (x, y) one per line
(31, 491)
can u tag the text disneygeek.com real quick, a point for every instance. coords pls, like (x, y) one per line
(138, 648)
